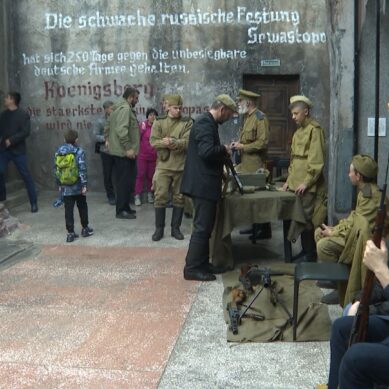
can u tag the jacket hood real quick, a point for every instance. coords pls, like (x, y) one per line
(120, 103)
(67, 148)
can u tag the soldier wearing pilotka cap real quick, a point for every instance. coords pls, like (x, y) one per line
(305, 172)
(169, 136)
(331, 241)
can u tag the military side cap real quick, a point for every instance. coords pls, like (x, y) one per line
(173, 99)
(365, 165)
(295, 99)
(247, 93)
(228, 102)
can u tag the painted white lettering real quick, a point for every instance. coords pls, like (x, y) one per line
(54, 20)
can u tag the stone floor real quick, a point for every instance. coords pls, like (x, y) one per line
(113, 311)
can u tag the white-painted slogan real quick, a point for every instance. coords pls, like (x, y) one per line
(241, 15)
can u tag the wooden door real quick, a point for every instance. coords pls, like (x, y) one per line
(275, 92)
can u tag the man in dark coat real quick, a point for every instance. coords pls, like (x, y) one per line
(15, 127)
(202, 181)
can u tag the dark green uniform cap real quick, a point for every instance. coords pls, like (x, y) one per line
(228, 102)
(173, 99)
(247, 93)
(365, 165)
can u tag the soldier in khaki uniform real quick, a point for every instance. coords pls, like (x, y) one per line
(169, 136)
(252, 145)
(254, 135)
(305, 173)
(330, 241)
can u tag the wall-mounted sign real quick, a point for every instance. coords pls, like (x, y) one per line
(270, 62)
(371, 127)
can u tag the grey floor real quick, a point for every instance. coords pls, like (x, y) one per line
(201, 358)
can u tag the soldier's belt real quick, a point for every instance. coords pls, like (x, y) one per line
(300, 156)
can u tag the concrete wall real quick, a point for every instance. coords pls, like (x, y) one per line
(4, 37)
(367, 83)
(196, 48)
(341, 133)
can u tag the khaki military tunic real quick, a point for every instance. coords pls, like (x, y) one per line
(306, 166)
(307, 156)
(254, 136)
(330, 248)
(170, 163)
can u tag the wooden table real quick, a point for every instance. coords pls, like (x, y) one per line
(259, 207)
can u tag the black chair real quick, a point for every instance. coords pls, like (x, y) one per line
(315, 271)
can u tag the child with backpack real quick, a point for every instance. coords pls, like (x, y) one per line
(71, 176)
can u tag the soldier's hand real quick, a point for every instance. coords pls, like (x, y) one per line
(228, 150)
(301, 189)
(238, 146)
(285, 187)
(166, 141)
(131, 153)
(325, 231)
(173, 144)
(7, 143)
(375, 258)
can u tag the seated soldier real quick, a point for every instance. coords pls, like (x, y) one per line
(330, 241)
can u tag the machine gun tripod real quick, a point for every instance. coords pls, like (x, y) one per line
(253, 277)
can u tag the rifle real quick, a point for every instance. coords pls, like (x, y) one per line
(361, 320)
(230, 165)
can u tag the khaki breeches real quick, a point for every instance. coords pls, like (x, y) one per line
(164, 182)
(330, 248)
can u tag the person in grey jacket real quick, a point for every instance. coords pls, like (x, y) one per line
(122, 136)
(101, 148)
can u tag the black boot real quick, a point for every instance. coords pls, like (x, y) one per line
(176, 222)
(308, 245)
(159, 224)
(197, 260)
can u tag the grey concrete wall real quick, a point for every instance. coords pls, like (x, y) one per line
(367, 82)
(341, 134)
(4, 40)
(203, 54)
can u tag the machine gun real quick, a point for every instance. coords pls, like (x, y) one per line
(230, 165)
(251, 276)
(262, 276)
(361, 318)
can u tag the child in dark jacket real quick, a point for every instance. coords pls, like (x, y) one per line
(74, 193)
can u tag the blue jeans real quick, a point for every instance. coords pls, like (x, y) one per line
(20, 161)
(363, 364)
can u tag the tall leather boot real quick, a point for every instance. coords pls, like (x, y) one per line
(309, 246)
(160, 214)
(176, 222)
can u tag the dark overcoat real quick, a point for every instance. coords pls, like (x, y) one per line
(205, 157)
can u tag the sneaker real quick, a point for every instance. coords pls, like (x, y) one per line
(71, 236)
(87, 231)
(137, 201)
(111, 201)
(150, 198)
(57, 203)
